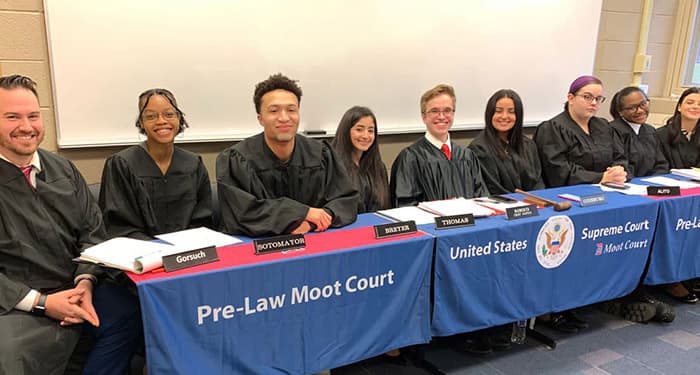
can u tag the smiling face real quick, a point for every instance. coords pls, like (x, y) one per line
(439, 115)
(635, 107)
(21, 128)
(362, 134)
(689, 108)
(504, 117)
(160, 120)
(279, 116)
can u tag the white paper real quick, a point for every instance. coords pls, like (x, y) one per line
(668, 181)
(634, 189)
(458, 206)
(409, 213)
(197, 238)
(501, 206)
(129, 254)
(687, 172)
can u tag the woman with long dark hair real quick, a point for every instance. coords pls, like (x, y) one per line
(680, 138)
(356, 145)
(508, 158)
(629, 108)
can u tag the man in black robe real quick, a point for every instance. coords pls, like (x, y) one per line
(279, 182)
(433, 167)
(47, 217)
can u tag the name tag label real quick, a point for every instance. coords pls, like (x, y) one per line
(668, 191)
(279, 243)
(513, 213)
(454, 221)
(593, 200)
(190, 258)
(394, 229)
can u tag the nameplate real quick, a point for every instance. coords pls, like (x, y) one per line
(190, 258)
(394, 229)
(520, 212)
(669, 191)
(279, 243)
(593, 200)
(454, 221)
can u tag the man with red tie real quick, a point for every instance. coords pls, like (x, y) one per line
(52, 310)
(434, 167)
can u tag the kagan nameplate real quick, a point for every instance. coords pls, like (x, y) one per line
(394, 229)
(593, 200)
(454, 221)
(520, 212)
(279, 243)
(190, 258)
(661, 191)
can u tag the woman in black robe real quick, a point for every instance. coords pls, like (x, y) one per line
(154, 187)
(576, 147)
(630, 109)
(356, 145)
(680, 144)
(508, 158)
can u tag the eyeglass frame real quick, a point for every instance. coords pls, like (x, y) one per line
(635, 107)
(434, 112)
(588, 98)
(174, 112)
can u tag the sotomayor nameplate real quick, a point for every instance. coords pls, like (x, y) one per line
(669, 191)
(454, 221)
(520, 212)
(190, 258)
(279, 243)
(593, 200)
(394, 229)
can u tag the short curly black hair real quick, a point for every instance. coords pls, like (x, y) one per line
(275, 82)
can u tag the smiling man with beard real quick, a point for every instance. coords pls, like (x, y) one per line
(280, 182)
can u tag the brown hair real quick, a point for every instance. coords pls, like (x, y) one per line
(436, 91)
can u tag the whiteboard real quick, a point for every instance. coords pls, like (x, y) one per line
(378, 53)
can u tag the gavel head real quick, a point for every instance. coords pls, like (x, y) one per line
(561, 206)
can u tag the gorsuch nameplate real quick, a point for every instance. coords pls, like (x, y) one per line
(454, 221)
(190, 258)
(520, 212)
(279, 243)
(394, 229)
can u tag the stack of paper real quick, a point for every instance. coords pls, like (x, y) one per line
(409, 213)
(691, 173)
(457, 206)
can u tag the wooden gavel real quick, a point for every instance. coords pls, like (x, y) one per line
(558, 206)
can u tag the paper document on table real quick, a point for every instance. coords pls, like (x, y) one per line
(633, 189)
(458, 206)
(692, 173)
(128, 254)
(668, 181)
(197, 238)
(408, 213)
(499, 206)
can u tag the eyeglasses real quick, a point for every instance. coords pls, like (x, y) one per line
(590, 98)
(434, 112)
(633, 108)
(152, 116)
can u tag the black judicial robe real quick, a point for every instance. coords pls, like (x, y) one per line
(569, 156)
(40, 232)
(138, 201)
(421, 172)
(642, 150)
(368, 202)
(684, 154)
(516, 171)
(261, 195)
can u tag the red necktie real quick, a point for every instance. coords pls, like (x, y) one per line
(446, 150)
(27, 173)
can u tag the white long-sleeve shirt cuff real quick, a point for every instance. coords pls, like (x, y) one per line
(27, 303)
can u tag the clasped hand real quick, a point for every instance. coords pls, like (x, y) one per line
(73, 306)
(615, 174)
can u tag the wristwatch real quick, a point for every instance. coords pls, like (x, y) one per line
(40, 308)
